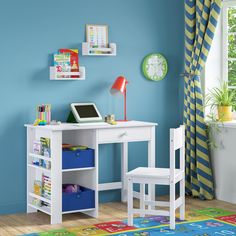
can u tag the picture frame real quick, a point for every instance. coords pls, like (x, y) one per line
(97, 35)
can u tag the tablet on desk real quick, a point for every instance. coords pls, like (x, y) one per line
(86, 113)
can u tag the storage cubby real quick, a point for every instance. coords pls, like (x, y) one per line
(77, 159)
(83, 199)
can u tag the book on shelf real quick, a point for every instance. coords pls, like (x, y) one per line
(61, 63)
(45, 146)
(66, 60)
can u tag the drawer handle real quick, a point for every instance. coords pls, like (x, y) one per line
(123, 134)
(77, 154)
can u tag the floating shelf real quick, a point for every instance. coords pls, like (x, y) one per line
(56, 75)
(88, 51)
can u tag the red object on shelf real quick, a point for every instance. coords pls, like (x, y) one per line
(119, 86)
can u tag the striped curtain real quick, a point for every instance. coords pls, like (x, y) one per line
(200, 23)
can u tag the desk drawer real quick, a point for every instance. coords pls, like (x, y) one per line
(124, 134)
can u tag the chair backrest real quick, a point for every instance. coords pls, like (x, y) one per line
(177, 142)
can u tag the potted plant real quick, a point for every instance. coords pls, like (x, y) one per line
(223, 100)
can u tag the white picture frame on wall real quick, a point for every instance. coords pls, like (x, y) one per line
(97, 35)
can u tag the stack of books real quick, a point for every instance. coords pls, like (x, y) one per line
(66, 60)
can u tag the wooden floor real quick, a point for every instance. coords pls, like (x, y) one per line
(36, 222)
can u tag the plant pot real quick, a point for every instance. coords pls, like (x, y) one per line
(225, 113)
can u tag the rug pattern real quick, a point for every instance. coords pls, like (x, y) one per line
(205, 222)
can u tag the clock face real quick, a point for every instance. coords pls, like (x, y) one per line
(155, 67)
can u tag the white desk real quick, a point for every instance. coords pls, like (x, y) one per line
(91, 136)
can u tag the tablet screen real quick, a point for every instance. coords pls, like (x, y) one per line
(86, 111)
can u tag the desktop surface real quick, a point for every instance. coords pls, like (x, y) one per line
(75, 126)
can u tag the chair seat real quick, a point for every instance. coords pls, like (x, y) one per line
(148, 172)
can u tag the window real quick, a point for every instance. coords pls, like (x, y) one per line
(229, 43)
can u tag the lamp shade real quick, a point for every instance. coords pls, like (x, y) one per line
(119, 85)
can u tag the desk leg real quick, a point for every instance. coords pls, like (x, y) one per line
(124, 170)
(56, 177)
(151, 163)
(30, 171)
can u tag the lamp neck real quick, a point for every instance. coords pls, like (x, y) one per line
(125, 115)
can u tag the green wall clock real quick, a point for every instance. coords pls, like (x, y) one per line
(155, 67)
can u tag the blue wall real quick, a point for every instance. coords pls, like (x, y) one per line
(32, 30)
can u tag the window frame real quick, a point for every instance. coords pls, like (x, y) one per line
(225, 58)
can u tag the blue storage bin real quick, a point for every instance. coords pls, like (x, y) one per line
(83, 199)
(78, 158)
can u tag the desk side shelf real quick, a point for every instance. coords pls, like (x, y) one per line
(82, 176)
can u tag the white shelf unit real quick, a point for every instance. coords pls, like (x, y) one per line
(88, 51)
(82, 176)
(92, 136)
(54, 75)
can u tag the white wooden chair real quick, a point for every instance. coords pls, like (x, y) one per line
(163, 176)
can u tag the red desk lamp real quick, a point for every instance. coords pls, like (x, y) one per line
(119, 86)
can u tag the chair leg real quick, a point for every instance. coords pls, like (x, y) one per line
(182, 194)
(142, 199)
(130, 202)
(151, 195)
(172, 206)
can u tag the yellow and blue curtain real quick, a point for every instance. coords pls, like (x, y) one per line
(201, 18)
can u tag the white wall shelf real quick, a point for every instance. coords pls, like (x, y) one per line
(88, 51)
(56, 75)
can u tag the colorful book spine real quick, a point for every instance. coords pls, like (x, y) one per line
(45, 147)
(46, 182)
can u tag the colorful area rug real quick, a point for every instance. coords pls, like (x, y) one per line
(205, 222)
